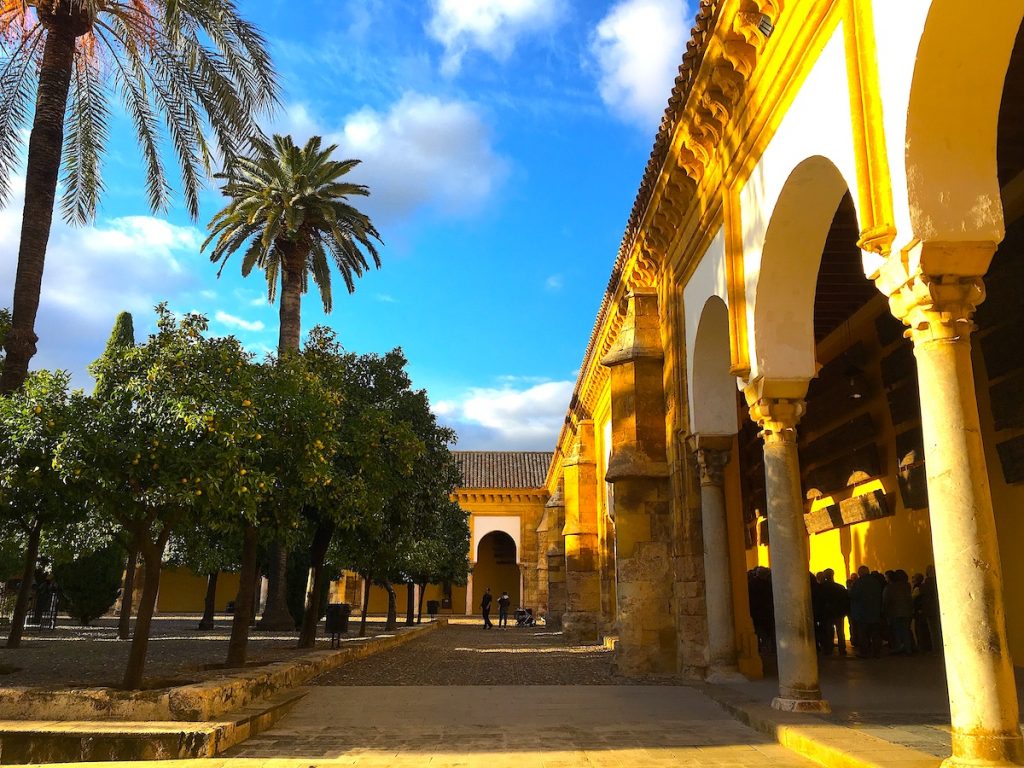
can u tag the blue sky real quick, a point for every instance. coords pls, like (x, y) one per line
(503, 141)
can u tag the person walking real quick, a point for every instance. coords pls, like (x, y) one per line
(837, 600)
(485, 607)
(503, 603)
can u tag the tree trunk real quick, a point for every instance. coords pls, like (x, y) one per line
(245, 602)
(410, 603)
(44, 156)
(210, 603)
(124, 620)
(152, 555)
(419, 608)
(366, 605)
(290, 311)
(28, 576)
(315, 583)
(276, 616)
(392, 622)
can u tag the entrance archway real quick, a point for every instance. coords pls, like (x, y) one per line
(496, 567)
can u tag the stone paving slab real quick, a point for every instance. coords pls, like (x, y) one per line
(518, 726)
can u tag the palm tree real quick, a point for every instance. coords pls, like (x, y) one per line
(289, 209)
(180, 68)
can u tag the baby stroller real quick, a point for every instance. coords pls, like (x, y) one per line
(524, 617)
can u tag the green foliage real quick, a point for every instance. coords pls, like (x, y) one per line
(123, 333)
(90, 582)
(196, 67)
(298, 576)
(38, 423)
(291, 203)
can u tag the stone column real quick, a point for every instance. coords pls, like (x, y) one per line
(469, 592)
(638, 468)
(799, 690)
(554, 513)
(547, 529)
(712, 454)
(979, 671)
(582, 621)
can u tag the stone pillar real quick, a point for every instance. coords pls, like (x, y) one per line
(547, 529)
(638, 468)
(979, 671)
(554, 513)
(582, 621)
(469, 592)
(712, 454)
(799, 690)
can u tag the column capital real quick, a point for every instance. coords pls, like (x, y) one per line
(937, 307)
(712, 453)
(777, 418)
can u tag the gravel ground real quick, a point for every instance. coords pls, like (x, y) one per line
(466, 654)
(73, 656)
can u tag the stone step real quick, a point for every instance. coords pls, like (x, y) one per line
(40, 741)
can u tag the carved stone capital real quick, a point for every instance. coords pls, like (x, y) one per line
(777, 418)
(711, 453)
(938, 307)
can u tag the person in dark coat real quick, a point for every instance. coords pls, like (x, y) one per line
(485, 607)
(866, 611)
(837, 608)
(762, 610)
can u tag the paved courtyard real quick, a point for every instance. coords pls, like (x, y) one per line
(466, 697)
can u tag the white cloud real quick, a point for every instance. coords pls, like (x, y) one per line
(422, 151)
(492, 26)
(94, 272)
(507, 418)
(385, 298)
(638, 47)
(233, 321)
(553, 283)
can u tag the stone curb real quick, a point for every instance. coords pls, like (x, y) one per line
(829, 744)
(202, 701)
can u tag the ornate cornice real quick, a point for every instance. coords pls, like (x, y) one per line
(719, 60)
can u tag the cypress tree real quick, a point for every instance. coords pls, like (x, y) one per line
(123, 333)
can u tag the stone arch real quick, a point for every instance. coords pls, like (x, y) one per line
(783, 329)
(961, 64)
(485, 524)
(496, 566)
(712, 386)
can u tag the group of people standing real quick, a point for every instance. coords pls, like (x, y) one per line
(503, 603)
(890, 609)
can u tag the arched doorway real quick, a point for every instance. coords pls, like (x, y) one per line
(496, 567)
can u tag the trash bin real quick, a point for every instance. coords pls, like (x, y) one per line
(337, 619)
(433, 606)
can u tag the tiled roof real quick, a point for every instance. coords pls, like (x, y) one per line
(503, 469)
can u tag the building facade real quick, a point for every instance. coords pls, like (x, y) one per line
(807, 353)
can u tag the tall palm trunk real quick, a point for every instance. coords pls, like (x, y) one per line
(245, 602)
(124, 620)
(276, 615)
(210, 603)
(315, 583)
(152, 555)
(28, 576)
(44, 156)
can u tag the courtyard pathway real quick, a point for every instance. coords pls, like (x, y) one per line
(466, 697)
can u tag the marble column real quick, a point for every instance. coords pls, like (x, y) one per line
(712, 454)
(938, 309)
(638, 469)
(799, 688)
(582, 620)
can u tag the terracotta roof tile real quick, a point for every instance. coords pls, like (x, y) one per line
(503, 469)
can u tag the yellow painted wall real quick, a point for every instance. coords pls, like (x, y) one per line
(181, 591)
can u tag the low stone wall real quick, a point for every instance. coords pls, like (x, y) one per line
(195, 702)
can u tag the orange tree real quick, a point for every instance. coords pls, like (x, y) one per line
(36, 423)
(376, 450)
(182, 70)
(297, 417)
(173, 441)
